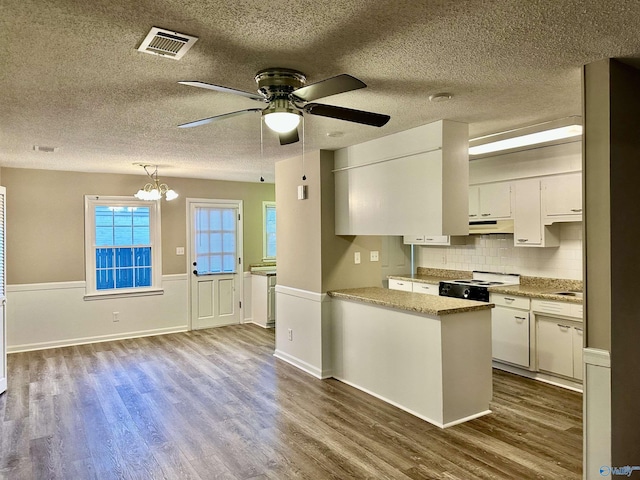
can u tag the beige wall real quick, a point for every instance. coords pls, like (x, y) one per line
(338, 268)
(45, 219)
(298, 224)
(310, 256)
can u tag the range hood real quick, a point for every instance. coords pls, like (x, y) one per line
(483, 227)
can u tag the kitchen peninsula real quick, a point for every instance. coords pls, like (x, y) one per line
(428, 355)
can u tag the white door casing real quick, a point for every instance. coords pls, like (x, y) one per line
(214, 234)
(3, 294)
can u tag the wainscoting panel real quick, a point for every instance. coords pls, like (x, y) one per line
(47, 315)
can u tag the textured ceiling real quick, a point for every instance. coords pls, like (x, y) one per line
(71, 76)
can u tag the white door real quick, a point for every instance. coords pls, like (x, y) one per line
(216, 262)
(3, 320)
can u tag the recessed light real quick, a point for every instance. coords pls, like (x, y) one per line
(335, 134)
(440, 97)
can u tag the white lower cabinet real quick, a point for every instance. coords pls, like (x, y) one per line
(417, 287)
(427, 288)
(404, 285)
(510, 339)
(559, 345)
(263, 302)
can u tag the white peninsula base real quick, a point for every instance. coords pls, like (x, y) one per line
(437, 367)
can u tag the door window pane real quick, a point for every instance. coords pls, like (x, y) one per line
(216, 239)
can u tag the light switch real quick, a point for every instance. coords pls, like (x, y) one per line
(356, 258)
(374, 256)
(179, 250)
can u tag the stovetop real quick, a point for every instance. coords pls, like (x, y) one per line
(481, 283)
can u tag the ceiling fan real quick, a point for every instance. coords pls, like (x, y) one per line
(287, 97)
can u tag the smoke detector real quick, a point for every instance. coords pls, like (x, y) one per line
(167, 43)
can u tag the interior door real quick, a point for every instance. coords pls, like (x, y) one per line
(216, 260)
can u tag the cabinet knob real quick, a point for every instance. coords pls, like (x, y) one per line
(486, 214)
(523, 240)
(473, 215)
(576, 209)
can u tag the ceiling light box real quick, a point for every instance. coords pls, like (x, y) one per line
(555, 132)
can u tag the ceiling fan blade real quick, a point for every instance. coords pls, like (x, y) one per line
(289, 137)
(348, 114)
(219, 88)
(330, 86)
(204, 121)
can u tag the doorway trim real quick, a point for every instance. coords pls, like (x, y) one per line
(239, 205)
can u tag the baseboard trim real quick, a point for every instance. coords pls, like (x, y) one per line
(97, 339)
(296, 362)
(408, 410)
(266, 327)
(540, 376)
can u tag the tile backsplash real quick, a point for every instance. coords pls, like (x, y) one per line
(496, 253)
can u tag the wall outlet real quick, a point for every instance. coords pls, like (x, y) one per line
(116, 316)
(179, 250)
(375, 256)
(290, 334)
(356, 258)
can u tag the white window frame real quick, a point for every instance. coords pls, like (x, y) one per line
(90, 202)
(266, 204)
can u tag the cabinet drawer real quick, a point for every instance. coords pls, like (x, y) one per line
(427, 288)
(557, 308)
(395, 284)
(511, 301)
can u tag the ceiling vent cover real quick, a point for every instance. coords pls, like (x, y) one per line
(167, 43)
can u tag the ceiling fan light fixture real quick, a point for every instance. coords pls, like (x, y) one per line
(282, 122)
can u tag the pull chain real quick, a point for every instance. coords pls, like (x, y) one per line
(304, 177)
(261, 152)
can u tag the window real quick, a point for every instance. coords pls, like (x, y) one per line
(215, 231)
(269, 230)
(122, 246)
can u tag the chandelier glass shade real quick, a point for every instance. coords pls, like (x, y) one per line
(154, 190)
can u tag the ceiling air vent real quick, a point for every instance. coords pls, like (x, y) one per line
(167, 43)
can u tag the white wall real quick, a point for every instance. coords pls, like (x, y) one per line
(496, 253)
(46, 315)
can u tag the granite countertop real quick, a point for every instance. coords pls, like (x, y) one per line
(533, 291)
(432, 275)
(412, 302)
(532, 287)
(264, 273)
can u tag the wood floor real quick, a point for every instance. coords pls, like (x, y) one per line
(216, 404)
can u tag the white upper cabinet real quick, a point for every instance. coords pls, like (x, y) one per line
(490, 202)
(410, 183)
(562, 198)
(528, 230)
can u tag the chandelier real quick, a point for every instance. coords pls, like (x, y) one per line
(154, 190)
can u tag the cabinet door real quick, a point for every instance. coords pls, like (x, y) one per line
(555, 347)
(495, 201)
(578, 342)
(562, 195)
(527, 224)
(510, 335)
(395, 284)
(474, 202)
(427, 288)
(271, 306)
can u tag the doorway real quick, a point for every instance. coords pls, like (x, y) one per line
(214, 234)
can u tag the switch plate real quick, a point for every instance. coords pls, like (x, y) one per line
(356, 258)
(290, 334)
(375, 255)
(179, 250)
(302, 192)
(116, 316)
